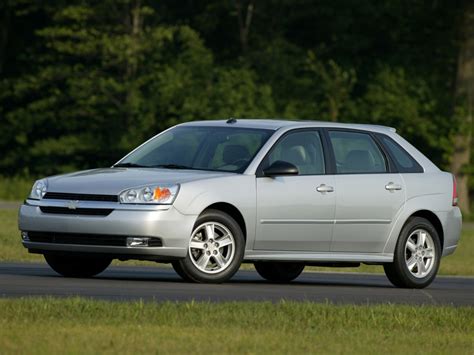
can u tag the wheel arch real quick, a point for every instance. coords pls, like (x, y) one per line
(433, 219)
(403, 219)
(232, 211)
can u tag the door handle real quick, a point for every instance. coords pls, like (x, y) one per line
(324, 188)
(392, 187)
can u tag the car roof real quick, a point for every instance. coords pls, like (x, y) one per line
(275, 124)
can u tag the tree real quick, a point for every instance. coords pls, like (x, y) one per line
(244, 17)
(463, 107)
(95, 92)
(334, 82)
(406, 102)
(101, 87)
(108, 77)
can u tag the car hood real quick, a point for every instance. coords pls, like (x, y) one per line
(111, 181)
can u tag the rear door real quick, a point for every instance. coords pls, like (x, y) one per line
(369, 195)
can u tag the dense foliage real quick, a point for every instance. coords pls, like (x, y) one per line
(82, 82)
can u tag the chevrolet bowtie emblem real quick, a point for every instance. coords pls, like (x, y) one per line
(72, 205)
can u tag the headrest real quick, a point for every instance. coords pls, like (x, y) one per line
(295, 155)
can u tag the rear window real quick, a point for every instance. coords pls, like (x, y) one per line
(404, 162)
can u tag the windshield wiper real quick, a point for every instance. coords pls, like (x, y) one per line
(129, 165)
(173, 166)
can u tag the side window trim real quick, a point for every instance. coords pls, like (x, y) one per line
(324, 144)
(389, 164)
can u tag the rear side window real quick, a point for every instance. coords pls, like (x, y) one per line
(404, 162)
(356, 153)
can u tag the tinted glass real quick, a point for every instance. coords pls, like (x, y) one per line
(302, 149)
(204, 148)
(404, 161)
(356, 153)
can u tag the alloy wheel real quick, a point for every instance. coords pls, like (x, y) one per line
(420, 256)
(212, 247)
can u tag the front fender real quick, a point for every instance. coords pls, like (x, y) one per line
(237, 190)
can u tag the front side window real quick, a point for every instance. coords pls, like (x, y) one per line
(356, 153)
(302, 149)
(203, 148)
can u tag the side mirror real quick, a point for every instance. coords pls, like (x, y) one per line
(280, 168)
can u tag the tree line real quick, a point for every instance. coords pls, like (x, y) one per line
(82, 82)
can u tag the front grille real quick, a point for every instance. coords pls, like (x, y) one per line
(80, 197)
(77, 211)
(85, 239)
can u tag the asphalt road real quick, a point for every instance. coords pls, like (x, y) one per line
(162, 284)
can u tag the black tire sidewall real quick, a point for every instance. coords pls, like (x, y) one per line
(179, 270)
(196, 275)
(400, 267)
(279, 272)
(74, 266)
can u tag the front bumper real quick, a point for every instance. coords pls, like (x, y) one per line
(164, 222)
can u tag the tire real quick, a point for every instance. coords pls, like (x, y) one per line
(179, 270)
(217, 238)
(279, 271)
(74, 266)
(416, 262)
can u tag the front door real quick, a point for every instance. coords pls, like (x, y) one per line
(296, 213)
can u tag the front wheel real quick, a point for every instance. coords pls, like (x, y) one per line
(417, 255)
(215, 251)
(179, 270)
(74, 266)
(279, 271)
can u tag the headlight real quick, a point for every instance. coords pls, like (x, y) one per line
(155, 194)
(39, 190)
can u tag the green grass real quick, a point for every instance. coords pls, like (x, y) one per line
(11, 250)
(10, 242)
(15, 189)
(45, 326)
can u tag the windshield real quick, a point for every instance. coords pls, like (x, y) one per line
(204, 148)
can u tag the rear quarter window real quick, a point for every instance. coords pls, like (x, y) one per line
(404, 162)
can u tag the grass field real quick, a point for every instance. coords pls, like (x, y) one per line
(84, 326)
(15, 189)
(11, 250)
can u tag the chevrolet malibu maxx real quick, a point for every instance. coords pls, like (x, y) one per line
(208, 196)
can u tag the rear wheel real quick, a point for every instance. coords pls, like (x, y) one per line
(279, 271)
(74, 266)
(417, 255)
(215, 251)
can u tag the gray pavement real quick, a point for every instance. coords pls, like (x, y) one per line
(162, 284)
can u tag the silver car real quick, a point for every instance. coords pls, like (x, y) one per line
(207, 196)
